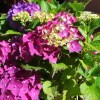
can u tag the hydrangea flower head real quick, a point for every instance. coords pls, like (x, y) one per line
(23, 17)
(18, 9)
(60, 31)
(16, 86)
(88, 16)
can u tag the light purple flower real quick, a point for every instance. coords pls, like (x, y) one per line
(21, 6)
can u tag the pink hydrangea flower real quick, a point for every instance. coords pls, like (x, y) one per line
(58, 32)
(4, 51)
(74, 46)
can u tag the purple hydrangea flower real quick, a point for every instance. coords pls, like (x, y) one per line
(21, 6)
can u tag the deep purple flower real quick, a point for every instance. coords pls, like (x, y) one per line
(16, 42)
(51, 53)
(24, 52)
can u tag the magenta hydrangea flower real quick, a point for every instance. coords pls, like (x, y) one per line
(4, 51)
(17, 8)
(38, 46)
(74, 46)
(18, 84)
(60, 31)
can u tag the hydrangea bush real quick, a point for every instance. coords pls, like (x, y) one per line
(49, 51)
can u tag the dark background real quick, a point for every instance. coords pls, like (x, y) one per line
(93, 6)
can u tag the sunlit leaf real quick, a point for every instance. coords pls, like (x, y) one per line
(90, 92)
(12, 32)
(28, 67)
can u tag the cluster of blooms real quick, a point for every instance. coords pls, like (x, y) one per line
(23, 17)
(87, 16)
(18, 84)
(31, 44)
(60, 31)
(23, 8)
(43, 16)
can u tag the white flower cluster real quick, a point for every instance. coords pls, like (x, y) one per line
(43, 16)
(88, 16)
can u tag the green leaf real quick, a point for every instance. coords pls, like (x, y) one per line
(33, 24)
(96, 36)
(95, 23)
(96, 44)
(83, 31)
(49, 90)
(12, 32)
(63, 7)
(34, 1)
(96, 57)
(88, 60)
(70, 88)
(97, 83)
(81, 72)
(52, 6)
(28, 67)
(3, 24)
(54, 2)
(93, 46)
(95, 71)
(75, 90)
(58, 67)
(90, 92)
(2, 16)
(76, 6)
(45, 6)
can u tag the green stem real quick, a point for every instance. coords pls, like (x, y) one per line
(83, 64)
(64, 95)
